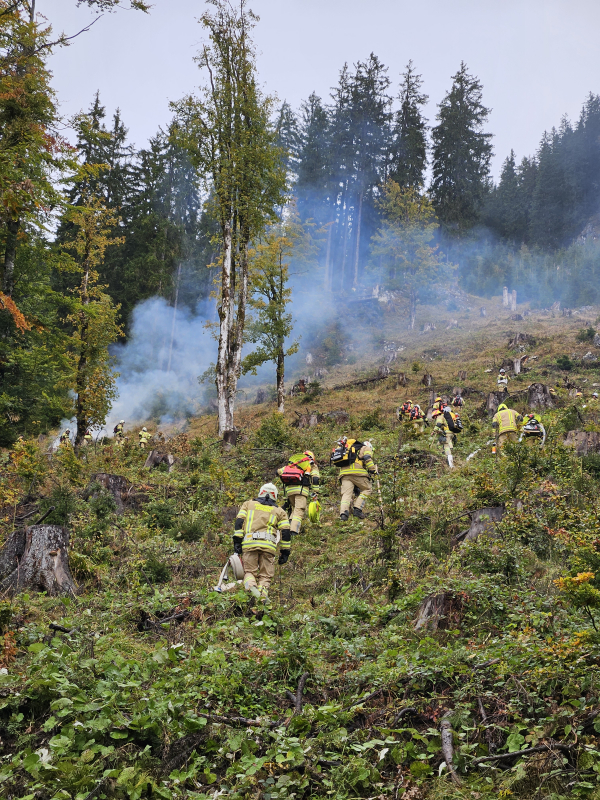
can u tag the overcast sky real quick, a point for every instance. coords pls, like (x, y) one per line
(537, 59)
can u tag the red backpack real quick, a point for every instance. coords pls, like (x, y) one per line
(293, 474)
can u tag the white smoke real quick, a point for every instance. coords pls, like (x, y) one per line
(160, 363)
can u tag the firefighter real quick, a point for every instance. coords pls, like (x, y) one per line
(458, 402)
(437, 405)
(447, 425)
(88, 439)
(404, 410)
(144, 438)
(417, 419)
(506, 423)
(65, 438)
(533, 429)
(300, 478)
(118, 431)
(502, 381)
(259, 526)
(357, 469)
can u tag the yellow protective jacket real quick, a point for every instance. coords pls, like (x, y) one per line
(364, 464)
(310, 485)
(144, 437)
(507, 421)
(257, 524)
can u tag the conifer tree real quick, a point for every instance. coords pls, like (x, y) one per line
(313, 185)
(461, 154)
(408, 158)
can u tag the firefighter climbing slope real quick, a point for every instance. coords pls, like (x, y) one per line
(417, 419)
(300, 478)
(506, 424)
(447, 425)
(502, 381)
(533, 429)
(259, 527)
(144, 438)
(357, 468)
(118, 431)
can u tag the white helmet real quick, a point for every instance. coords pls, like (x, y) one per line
(368, 444)
(143, 429)
(268, 490)
(121, 422)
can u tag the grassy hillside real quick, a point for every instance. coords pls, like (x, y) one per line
(161, 687)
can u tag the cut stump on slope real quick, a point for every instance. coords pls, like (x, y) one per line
(36, 558)
(155, 457)
(118, 486)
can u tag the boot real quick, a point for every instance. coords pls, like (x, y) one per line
(344, 516)
(450, 461)
(358, 512)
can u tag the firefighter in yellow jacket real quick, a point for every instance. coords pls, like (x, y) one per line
(356, 471)
(506, 423)
(259, 527)
(301, 479)
(446, 436)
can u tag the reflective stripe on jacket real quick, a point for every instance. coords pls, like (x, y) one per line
(507, 420)
(363, 465)
(441, 425)
(258, 523)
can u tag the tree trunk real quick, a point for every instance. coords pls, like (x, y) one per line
(81, 387)
(225, 330)
(280, 380)
(328, 270)
(357, 253)
(413, 309)
(10, 253)
(174, 318)
(36, 558)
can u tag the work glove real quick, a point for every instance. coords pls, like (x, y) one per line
(237, 547)
(283, 557)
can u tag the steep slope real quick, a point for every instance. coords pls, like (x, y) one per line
(393, 660)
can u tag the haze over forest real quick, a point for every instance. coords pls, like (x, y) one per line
(378, 196)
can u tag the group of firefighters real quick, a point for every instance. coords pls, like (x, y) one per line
(263, 527)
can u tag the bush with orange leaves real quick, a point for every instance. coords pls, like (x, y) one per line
(581, 594)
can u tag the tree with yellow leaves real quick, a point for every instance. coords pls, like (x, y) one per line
(93, 314)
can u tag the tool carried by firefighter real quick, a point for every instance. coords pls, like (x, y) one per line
(233, 569)
(533, 429)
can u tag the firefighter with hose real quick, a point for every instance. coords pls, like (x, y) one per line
(357, 470)
(260, 526)
(300, 478)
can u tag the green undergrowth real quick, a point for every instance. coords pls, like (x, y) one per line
(155, 685)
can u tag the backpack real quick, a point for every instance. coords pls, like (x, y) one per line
(455, 424)
(533, 428)
(414, 414)
(405, 408)
(294, 473)
(345, 456)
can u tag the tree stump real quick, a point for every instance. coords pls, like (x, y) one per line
(118, 487)
(482, 521)
(36, 558)
(383, 371)
(584, 442)
(482, 312)
(155, 457)
(517, 364)
(402, 379)
(538, 396)
(339, 416)
(231, 437)
(462, 375)
(427, 379)
(308, 420)
(494, 399)
(521, 338)
(435, 610)
(261, 396)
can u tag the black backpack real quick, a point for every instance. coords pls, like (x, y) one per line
(455, 424)
(345, 455)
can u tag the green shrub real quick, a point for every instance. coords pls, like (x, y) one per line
(591, 463)
(274, 432)
(373, 421)
(586, 335)
(155, 571)
(103, 504)
(565, 363)
(161, 514)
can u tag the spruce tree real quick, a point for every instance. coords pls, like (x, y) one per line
(461, 154)
(408, 157)
(313, 184)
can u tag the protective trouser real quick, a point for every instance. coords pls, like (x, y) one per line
(447, 442)
(259, 569)
(348, 482)
(507, 436)
(418, 425)
(299, 504)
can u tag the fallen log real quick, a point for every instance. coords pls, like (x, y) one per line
(447, 734)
